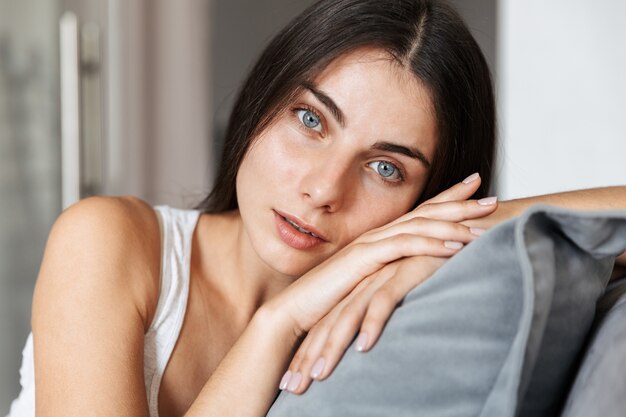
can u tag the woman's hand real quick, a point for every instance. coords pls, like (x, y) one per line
(366, 311)
(371, 303)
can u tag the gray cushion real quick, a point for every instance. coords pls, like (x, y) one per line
(600, 387)
(495, 332)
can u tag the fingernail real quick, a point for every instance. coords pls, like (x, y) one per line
(285, 380)
(471, 178)
(452, 245)
(294, 382)
(318, 368)
(488, 201)
(477, 231)
(361, 342)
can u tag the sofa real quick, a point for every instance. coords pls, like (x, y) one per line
(522, 322)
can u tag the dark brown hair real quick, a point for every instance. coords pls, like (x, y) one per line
(426, 37)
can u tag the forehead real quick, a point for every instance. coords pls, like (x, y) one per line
(380, 96)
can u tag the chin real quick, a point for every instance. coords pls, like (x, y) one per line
(284, 260)
(292, 265)
(276, 253)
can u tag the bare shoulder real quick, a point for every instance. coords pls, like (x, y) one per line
(113, 239)
(94, 297)
(125, 215)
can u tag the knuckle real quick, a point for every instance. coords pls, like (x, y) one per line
(459, 228)
(307, 360)
(298, 358)
(372, 323)
(332, 344)
(350, 312)
(404, 240)
(383, 299)
(357, 248)
(418, 220)
(318, 328)
(340, 336)
(322, 329)
(406, 243)
(346, 326)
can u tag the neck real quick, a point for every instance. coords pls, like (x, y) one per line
(228, 263)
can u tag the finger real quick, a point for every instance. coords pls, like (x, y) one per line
(460, 191)
(309, 362)
(299, 369)
(439, 229)
(380, 309)
(339, 275)
(365, 258)
(294, 380)
(387, 297)
(455, 211)
(343, 333)
(370, 259)
(296, 360)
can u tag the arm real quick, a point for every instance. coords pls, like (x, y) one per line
(368, 307)
(246, 381)
(90, 310)
(92, 307)
(253, 366)
(607, 198)
(96, 295)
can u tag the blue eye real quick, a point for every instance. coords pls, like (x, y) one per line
(310, 119)
(386, 169)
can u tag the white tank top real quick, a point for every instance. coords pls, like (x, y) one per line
(176, 228)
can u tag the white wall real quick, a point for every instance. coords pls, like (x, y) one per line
(562, 95)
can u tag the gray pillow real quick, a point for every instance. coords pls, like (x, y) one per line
(495, 332)
(600, 386)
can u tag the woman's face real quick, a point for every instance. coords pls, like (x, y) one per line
(349, 154)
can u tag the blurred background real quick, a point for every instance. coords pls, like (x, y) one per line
(132, 97)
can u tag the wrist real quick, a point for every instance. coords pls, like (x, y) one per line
(271, 319)
(505, 211)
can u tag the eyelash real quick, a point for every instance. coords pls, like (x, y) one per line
(392, 183)
(305, 107)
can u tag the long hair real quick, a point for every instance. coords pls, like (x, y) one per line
(427, 37)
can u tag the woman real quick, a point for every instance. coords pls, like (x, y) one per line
(352, 153)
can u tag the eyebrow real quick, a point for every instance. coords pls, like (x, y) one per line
(381, 146)
(326, 101)
(400, 149)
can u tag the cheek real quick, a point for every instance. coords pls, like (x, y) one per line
(373, 212)
(265, 163)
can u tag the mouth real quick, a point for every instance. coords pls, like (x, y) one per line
(300, 229)
(297, 233)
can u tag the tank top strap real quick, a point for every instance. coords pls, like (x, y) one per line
(177, 227)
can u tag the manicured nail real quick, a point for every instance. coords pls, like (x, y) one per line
(361, 342)
(318, 368)
(477, 231)
(471, 178)
(285, 380)
(452, 245)
(488, 201)
(294, 382)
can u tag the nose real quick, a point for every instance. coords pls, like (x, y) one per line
(325, 184)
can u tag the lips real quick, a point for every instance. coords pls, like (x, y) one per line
(297, 233)
(300, 229)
